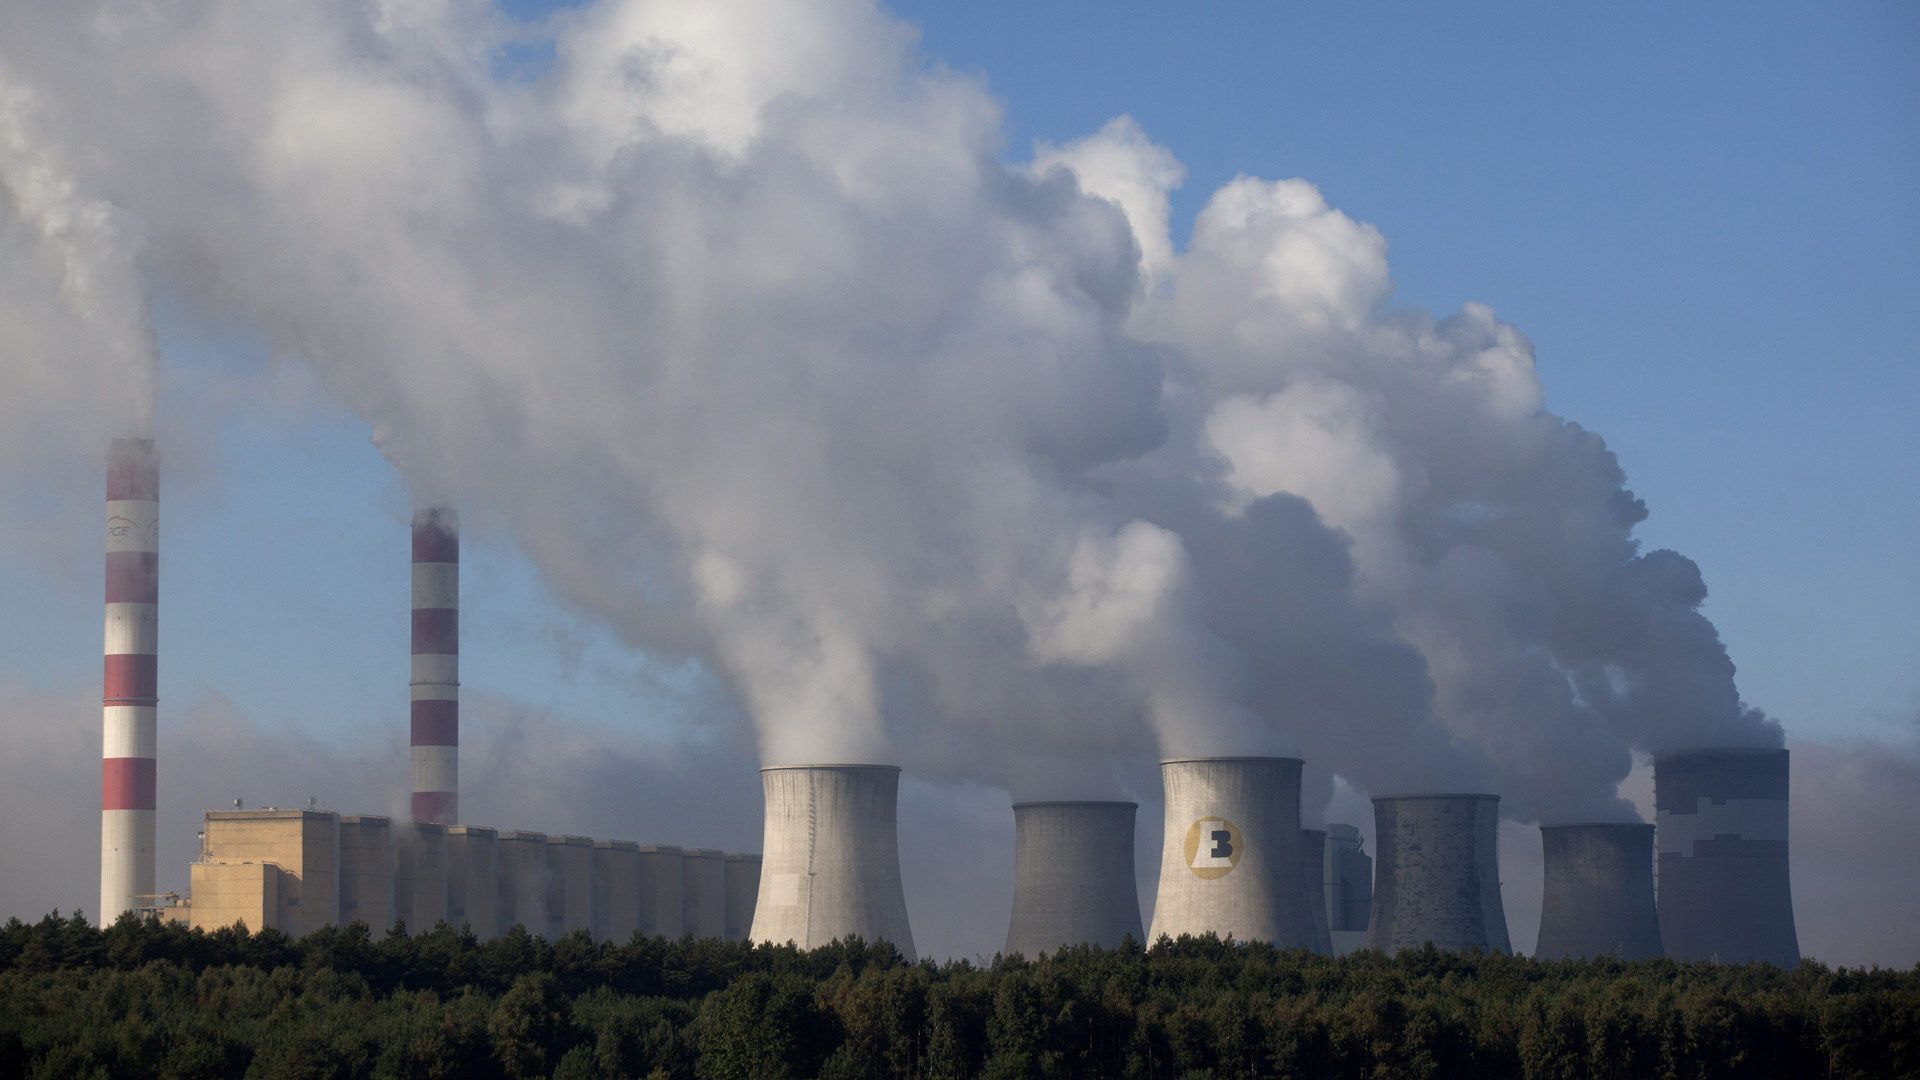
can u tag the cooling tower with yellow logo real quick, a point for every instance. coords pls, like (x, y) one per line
(1230, 863)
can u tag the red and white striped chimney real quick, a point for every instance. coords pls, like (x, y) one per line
(436, 666)
(132, 677)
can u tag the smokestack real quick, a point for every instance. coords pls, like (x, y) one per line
(1313, 870)
(131, 683)
(1231, 859)
(1437, 874)
(1598, 898)
(831, 860)
(435, 749)
(1725, 892)
(1073, 877)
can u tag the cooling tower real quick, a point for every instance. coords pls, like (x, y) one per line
(661, 887)
(1349, 890)
(1437, 874)
(1073, 877)
(743, 888)
(832, 857)
(1313, 869)
(1722, 833)
(131, 682)
(435, 749)
(1231, 859)
(1598, 898)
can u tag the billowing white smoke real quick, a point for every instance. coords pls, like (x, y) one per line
(736, 321)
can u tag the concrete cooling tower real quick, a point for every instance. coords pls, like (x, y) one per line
(1231, 860)
(831, 860)
(1598, 898)
(1313, 868)
(1721, 819)
(132, 679)
(1073, 877)
(1437, 874)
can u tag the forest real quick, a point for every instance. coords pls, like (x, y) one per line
(143, 999)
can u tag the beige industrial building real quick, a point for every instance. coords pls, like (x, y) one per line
(298, 870)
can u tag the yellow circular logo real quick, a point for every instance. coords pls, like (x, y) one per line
(1213, 848)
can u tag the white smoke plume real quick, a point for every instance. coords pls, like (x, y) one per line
(736, 322)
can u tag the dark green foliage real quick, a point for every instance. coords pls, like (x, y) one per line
(147, 1001)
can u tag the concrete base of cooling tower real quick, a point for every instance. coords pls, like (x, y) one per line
(1073, 880)
(831, 864)
(1598, 892)
(1437, 874)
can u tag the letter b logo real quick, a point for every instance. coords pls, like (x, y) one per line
(1213, 848)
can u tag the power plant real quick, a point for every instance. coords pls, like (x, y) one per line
(298, 870)
(1230, 864)
(831, 858)
(1073, 880)
(131, 682)
(1235, 860)
(1598, 894)
(1437, 874)
(1721, 824)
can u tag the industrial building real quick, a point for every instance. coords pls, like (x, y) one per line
(831, 858)
(1073, 880)
(1725, 893)
(1348, 873)
(1235, 861)
(1598, 892)
(1438, 874)
(1313, 864)
(1230, 864)
(298, 870)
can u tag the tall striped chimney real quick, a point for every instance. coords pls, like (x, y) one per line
(131, 677)
(436, 666)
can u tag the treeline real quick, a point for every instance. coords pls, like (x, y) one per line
(147, 1000)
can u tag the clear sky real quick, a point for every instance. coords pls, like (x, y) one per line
(1706, 217)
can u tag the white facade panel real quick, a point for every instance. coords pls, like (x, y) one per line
(129, 731)
(436, 585)
(436, 768)
(133, 525)
(133, 628)
(126, 860)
